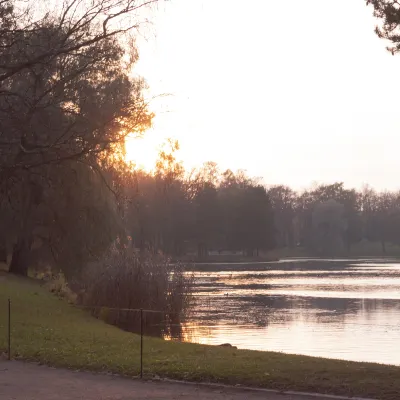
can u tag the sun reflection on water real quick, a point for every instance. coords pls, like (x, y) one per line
(320, 312)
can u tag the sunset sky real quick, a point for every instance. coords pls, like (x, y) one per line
(292, 91)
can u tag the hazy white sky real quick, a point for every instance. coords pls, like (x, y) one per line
(293, 91)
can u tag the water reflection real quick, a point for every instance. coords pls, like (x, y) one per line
(338, 309)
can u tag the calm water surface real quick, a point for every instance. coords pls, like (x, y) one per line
(346, 309)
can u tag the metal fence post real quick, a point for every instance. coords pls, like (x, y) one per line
(9, 329)
(141, 343)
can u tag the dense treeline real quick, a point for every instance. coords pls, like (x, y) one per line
(206, 210)
(177, 212)
(329, 219)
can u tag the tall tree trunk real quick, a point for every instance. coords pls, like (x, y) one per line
(20, 257)
(3, 252)
(21, 252)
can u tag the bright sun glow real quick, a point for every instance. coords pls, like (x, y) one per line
(142, 152)
(167, 124)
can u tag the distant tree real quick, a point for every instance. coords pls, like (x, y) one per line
(172, 203)
(329, 226)
(159, 209)
(381, 219)
(247, 213)
(283, 201)
(141, 218)
(304, 206)
(355, 229)
(348, 198)
(257, 221)
(208, 220)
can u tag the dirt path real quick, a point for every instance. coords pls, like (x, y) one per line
(20, 381)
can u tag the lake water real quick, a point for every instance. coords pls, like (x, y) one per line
(345, 309)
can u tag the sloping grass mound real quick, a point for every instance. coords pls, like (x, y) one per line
(49, 330)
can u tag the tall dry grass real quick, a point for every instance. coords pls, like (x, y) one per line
(124, 280)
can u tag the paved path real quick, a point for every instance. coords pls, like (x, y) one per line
(21, 381)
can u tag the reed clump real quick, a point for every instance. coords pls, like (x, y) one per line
(126, 280)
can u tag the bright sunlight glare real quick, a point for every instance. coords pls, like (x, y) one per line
(142, 152)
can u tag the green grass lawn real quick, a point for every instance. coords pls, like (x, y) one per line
(49, 330)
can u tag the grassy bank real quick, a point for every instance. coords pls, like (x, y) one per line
(48, 330)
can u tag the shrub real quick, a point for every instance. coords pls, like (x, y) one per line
(125, 280)
(57, 284)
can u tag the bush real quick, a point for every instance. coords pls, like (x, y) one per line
(126, 280)
(55, 282)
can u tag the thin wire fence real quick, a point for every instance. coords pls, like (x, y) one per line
(141, 328)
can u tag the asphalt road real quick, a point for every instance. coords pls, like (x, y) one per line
(23, 381)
